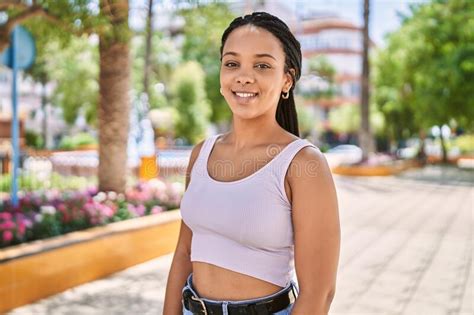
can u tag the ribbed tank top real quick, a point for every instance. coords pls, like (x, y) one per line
(243, 225)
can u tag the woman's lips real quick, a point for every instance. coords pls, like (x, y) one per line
(245, 97)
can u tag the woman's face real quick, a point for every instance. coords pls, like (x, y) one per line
(252, 72)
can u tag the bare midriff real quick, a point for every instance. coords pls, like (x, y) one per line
(216, 283)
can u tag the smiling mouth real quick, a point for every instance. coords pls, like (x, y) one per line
(245, 95)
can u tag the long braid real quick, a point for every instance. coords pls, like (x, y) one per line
(286, 110)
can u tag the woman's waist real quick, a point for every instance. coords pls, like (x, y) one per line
(217, 283)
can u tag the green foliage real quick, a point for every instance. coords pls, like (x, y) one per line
(306, 122)
(122, 211)
(73, 142)
(465, 143)
(187, 86)
(346, 119)
(73, 63)
(75, 69)
(30, 182)
(322, 68)
(49, 226)
(65, 54)
(425, 75)
(60, 19)
(34, 139)
(165, 57)
(203, 31)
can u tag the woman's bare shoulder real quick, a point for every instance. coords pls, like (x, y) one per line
(309, 164)
(192, 159)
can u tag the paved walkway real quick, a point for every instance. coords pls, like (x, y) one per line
(406, 249)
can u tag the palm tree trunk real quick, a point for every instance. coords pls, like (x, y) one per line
(114, 103)
(149, 35)
(366, 140)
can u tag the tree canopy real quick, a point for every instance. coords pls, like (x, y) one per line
(187, 86)
(203, 30)
(425, 75)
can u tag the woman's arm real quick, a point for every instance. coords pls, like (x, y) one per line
(181, 266)
(316, 229)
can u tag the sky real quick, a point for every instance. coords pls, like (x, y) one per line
(383, 13)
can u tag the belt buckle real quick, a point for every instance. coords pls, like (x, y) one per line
(202, 303)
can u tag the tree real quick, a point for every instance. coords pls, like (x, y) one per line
(73, 66)
(68, 17)
(393, 103)
(114, 102)
(203, 29)
(366, 140)
(305, 119)
(190, 100)
(39, 74)
(346, 119)
(148, 48)
(109, 21)
(164, 59)
(426, 72)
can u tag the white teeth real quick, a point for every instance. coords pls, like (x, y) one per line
(245, 94)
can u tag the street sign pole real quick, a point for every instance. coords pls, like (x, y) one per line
(19, 56)
(15, 133)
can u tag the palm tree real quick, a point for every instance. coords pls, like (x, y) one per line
(148, 49)
(114, 103)
(366, 140)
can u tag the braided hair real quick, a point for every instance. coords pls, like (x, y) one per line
(286, 111)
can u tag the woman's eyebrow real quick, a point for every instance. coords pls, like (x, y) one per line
(265, 55)
(256, 55)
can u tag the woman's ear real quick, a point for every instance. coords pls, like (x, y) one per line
(289, 75)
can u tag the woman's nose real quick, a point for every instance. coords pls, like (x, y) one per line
(244, 78)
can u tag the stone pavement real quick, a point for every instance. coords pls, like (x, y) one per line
(406, 249)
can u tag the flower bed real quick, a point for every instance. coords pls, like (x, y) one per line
(50, 213)
(386, 169)
(38, 269)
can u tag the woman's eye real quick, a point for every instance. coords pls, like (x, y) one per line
(230, 64)
(262, 66)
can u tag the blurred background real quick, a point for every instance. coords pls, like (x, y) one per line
(120, 91)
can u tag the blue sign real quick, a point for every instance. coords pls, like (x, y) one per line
(25, 50)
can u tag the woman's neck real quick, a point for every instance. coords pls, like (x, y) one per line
(246, 134)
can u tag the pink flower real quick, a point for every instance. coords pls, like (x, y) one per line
(28, 223)
(7, 236)
(7, 225)
(62, 207)
(5, 216)
(131, 209)
(21, 227)
(156, 210)
(140, 209)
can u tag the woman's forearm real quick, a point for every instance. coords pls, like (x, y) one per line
(308, 304)
(181, 267)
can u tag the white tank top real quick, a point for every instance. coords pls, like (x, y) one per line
(244, 225)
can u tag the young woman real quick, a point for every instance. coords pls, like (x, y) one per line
(260, 202)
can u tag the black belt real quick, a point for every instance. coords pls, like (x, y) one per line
(268, 306)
